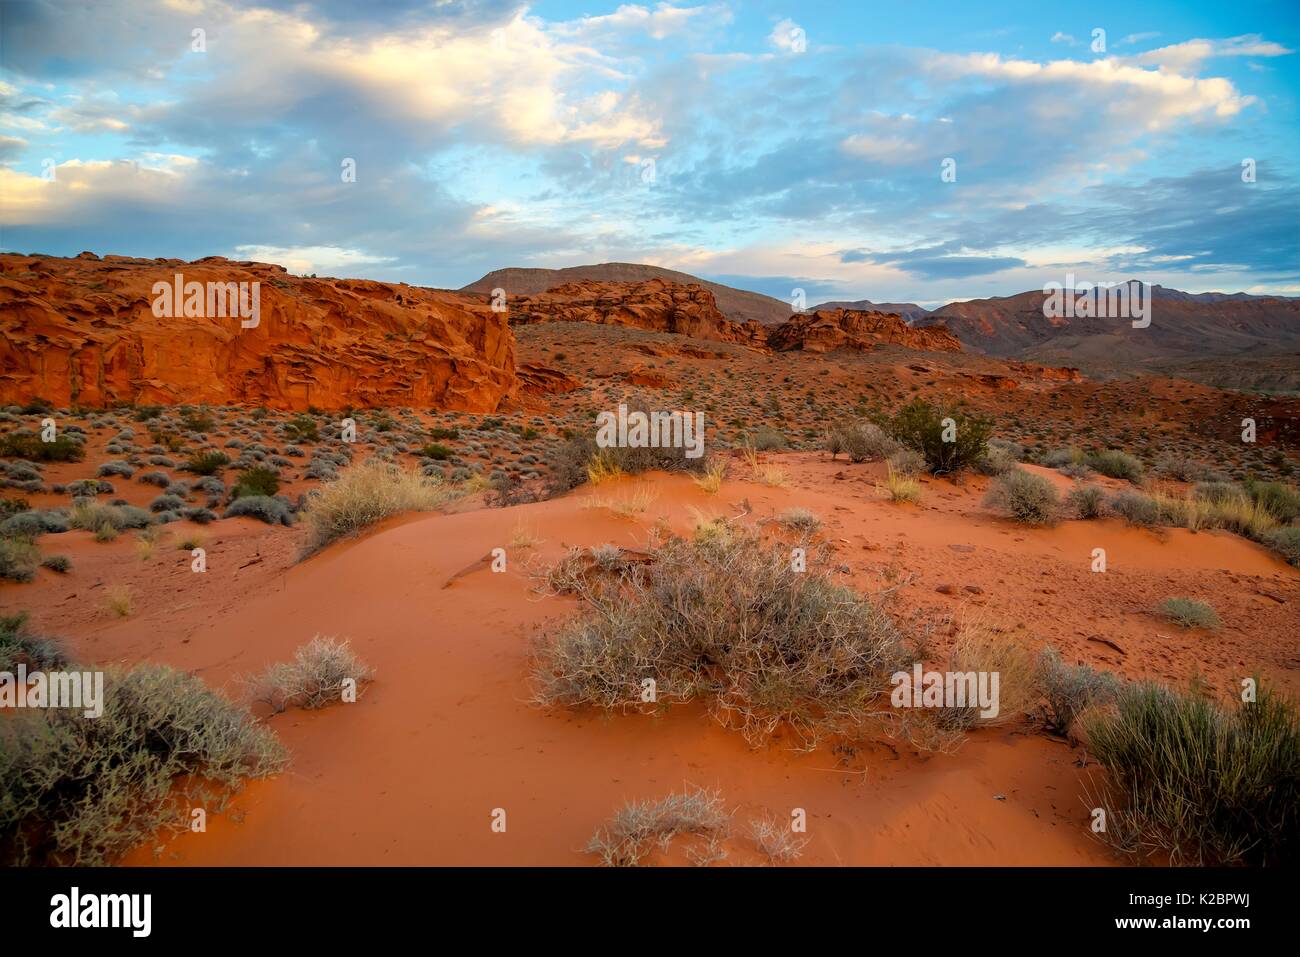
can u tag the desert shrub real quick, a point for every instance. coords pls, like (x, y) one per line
(641, 826)
(1243, 515)
(195, 513)
(83, 792)
(580, 460)
(901, 486)
(1285, 541)
(368, 493)
(199, 420)
(166, 503)
(19, 646)
(727, 620)
(18, 560)
(57, 563)
(1029, 498)
(209, 462)
(12, 506)
(866, 442)
(437, 452)
(24, 445)
(1205, 785)
(906, 462)
(272, 509)
(978, 649)
(160, 479)
(1135, 508)
(1070, 689)
(439, 433)
(34, 523)
(1086, 501)
(210, 484)
(764, 439)
(91, 516)
(1280, 501)
(800, 520)
(319, 674)
(995, 461)
(710, 480)
(1116, 464)
(921, 426)
(1189, 613)
(302, 428)
(120, 469)
(1218, 493)
(774, 838)
(1058, 458)
(1181, 468)
(257, 480)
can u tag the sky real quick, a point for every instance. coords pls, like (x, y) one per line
(898, 152)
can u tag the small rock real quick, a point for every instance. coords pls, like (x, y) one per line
(999, 797)
(974, 589)
(946, 590)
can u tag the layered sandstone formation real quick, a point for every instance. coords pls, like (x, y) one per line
(83, 331)
(655, 304)
(825, 330)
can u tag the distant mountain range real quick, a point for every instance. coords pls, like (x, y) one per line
(1184, 326)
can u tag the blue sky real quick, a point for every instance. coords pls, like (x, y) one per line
(770, 145)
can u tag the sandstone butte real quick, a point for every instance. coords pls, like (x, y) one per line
(825, 330)
(82, 332)
(653, 304)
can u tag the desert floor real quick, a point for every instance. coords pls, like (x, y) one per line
(412, 772)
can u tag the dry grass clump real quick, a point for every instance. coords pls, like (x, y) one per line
(1071, 689)
(902, 487)
(772, 475)
(1199, 783)
(640, 826)
(83, 791)
(800, 520)
(724, 619)
(629, 505)
(368, 493)
(1189, 613)
(711, 478)
(319, 674)
(20, 646)
(775, 839)
(118, 600)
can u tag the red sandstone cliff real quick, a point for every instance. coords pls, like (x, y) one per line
(83, 331)
(827, 329)
(654, 304)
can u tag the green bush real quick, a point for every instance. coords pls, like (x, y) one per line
(1205, 785)
(207, 463)
(1116, 464)
(82, 791)
(256, 480)
(302, 428)
(21, 445)
(57, 563)
(18, 646)
(274, 510)
(1281, 501)
(437, 452)
(1189, 613)
(921, 426)
(1029, 498)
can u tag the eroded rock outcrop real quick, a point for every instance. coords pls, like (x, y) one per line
(825, 330)
(84, 331)
(655, 304)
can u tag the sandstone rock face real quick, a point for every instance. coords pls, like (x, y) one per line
(1047, 373)
(539, 380)
(654, 304)
(83, 331)
(827, 329)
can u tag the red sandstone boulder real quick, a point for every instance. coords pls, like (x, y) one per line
(825, 330)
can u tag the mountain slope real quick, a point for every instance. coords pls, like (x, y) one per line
(1181, 326)
(738, 305)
